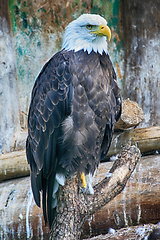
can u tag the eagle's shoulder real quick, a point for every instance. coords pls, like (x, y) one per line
(53, 70)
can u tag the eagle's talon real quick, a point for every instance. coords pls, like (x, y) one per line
(83, 180)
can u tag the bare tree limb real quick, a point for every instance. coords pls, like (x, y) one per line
(74, 207)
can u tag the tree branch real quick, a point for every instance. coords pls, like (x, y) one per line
(111, 186)
(74, 207)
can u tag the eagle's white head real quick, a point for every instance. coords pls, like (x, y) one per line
(88, 32)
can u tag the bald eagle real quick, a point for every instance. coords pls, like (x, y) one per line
(74, 105)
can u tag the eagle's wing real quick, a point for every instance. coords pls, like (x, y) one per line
(50, 104)
(115, 104)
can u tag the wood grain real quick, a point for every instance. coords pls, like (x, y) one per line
(132, 115)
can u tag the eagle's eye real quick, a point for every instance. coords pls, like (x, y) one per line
(89, 26)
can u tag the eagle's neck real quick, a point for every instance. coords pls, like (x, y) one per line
(77, 43)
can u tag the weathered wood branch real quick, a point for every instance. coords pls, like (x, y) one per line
(74, 207)
(13, 165)
(132, 115)
(150, 232)
(20, 218)
(111, 186)
(146, 139)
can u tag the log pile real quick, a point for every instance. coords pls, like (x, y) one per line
(137, 204)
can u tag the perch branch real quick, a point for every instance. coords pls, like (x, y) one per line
(74, 207)
(111, 186)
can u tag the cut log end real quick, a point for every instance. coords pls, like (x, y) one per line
(131, 116)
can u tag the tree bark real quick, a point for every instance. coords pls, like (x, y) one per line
(140, 232)
(74, 207)
(138, 203)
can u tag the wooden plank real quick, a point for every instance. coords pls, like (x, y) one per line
(139, 203)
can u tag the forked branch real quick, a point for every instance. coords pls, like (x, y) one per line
(74, 207)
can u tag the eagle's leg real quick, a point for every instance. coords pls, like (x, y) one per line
(83, 180)
(86, 183)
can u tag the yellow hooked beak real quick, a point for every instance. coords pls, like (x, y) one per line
(104, 30)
